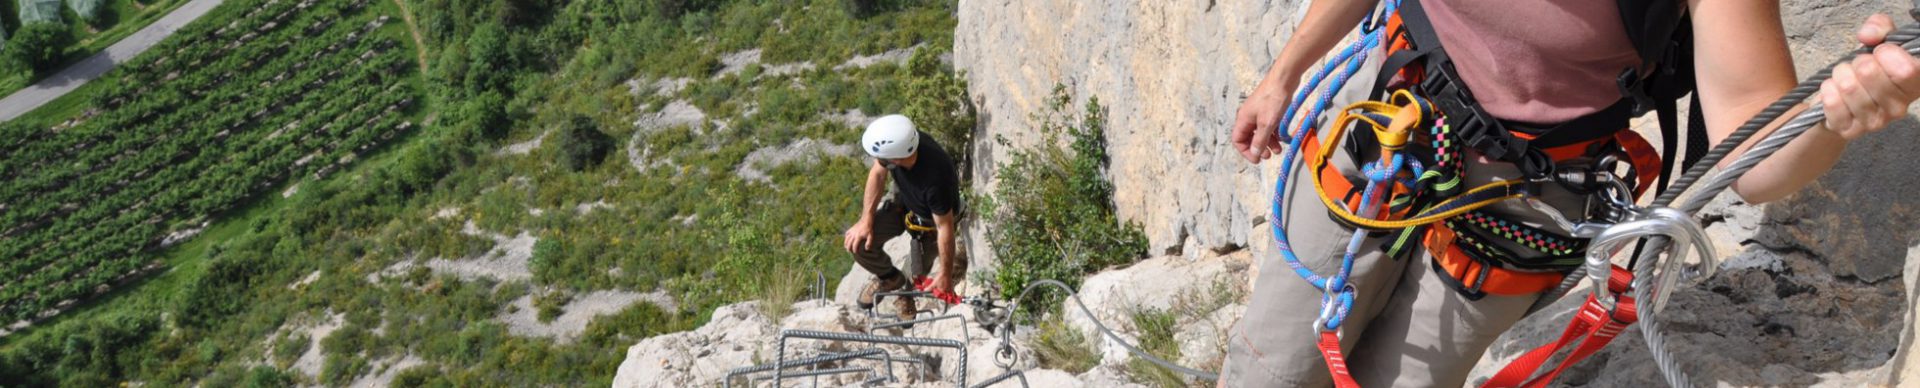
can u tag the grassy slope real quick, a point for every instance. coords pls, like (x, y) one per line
(747, 234)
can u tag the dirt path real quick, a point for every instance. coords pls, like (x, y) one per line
(419, 44)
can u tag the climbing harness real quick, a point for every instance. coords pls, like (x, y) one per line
(915, 224)
(1431, 205)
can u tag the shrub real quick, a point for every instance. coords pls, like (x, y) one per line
(220, 291)
(490, 60)
(1053, 209)
(483, 119)
(784, 284)
(1058, 346)
(551, 304)
(938, 104)
(421, 376)
(859, 8)
(291, 347)
(39, 46)
(639, 320)
(78, 354)
(266, 376)
(1155, 329)
(581, 144)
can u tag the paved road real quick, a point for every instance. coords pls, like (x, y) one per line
(26, 100)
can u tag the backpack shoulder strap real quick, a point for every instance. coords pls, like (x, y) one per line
(1651, 25)
(1661, 33)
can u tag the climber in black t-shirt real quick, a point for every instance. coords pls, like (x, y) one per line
(925, 200)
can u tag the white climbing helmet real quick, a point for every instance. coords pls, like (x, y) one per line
(890, 137)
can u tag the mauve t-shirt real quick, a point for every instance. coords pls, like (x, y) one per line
(1536, 61)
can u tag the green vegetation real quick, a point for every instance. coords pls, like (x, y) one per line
(38, 46)
(938, 104)
(780, 291)
(238, 305)
(183, 136)
(1058, 346)
(1053, 208)
(1155, 329)
(580, 144)
(57, 33)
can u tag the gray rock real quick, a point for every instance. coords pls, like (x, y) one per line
(1170, 76)
(807, 150)
(737, 336)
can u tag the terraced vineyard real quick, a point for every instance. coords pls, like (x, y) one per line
(217, 115)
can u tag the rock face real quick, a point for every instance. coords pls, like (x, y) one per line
(741, 335)
(1811, 291)
(1170, 74)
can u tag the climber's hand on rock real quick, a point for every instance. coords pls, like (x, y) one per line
(1254, 125)
(1875, 89)
(859, 237)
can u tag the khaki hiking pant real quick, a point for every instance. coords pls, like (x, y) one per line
(1406, 329)
(889, 221)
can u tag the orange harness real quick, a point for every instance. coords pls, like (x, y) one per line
(1467, 271)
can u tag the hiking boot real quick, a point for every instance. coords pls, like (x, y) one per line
(907, 311)
(879, 285)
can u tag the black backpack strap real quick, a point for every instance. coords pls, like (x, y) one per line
(1697, 140)
(1669, 140)
(1391, 66)
(1650, 26)
(1477, 128)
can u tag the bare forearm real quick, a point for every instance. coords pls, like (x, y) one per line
(1744, 44)
(876, 183)
(945, 228)
(1793, 167)
(1326, 22)
(948, 259)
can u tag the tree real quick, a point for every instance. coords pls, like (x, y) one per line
(938, 104)
(581, 144)
(39, 46)
(1053, 209)
(518, 12)
(481, 119)
(490, 63)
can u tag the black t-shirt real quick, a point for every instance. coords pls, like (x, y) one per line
(932, 186)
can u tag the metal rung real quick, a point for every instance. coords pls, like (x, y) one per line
(1022, 375)
(860, 354)
(812, 373)
(959, 347)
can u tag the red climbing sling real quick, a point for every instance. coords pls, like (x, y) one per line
(1596, 325)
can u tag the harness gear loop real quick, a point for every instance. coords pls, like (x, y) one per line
(1393, 135)
(914, 226)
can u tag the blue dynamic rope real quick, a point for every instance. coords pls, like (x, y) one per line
(1337, 294)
